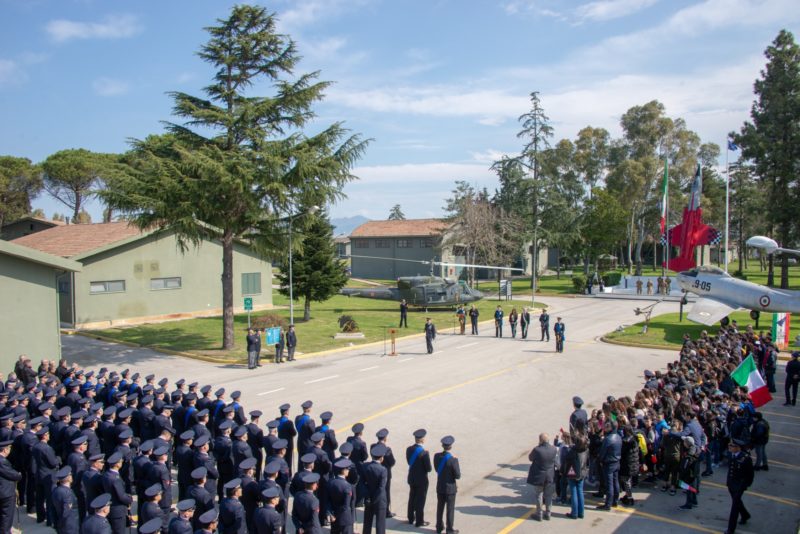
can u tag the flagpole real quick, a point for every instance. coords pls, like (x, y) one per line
(727, 202)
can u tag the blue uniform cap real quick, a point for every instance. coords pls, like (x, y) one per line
(448, 440)
(209, 517)
(316, 437)
(153, 490)
(220, 392)
(421, 433)
(236, 394)
(326, 416)
(270, 493)
(202, 440)
(234, 483)
(79, 440)
(309, 478)
(344, 463)
(307, 404)
(272, 468)
(101, 501)
(378, 450)
(98, 456)
(247, 463)
(62, 473)
(274, 423)
(279, 444)
(147, 446)
(114, 458)
(202, 413)
(577, 401)
(225, 424)
(186, 504)
(284, 407)
(151, 527)
(205, 389)
(126, 434)
(382, 433)
(161, 451)
(240, 431)
(256, 413)
(308, 458)
(186, 436)
(200, 472)
(346, 447)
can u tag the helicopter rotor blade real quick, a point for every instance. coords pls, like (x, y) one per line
(478, 266)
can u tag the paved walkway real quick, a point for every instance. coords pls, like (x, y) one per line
(495, 396)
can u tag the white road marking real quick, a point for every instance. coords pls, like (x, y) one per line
(270, 391)
(368, 368)
(322, 379)
(405, 360)
(467, 345)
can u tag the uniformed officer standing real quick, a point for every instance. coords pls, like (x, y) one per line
(447, 471)
(255, 440)
(8, 487)
(329, 443)
(266, 519)
(291, 343)
(202, 498)
(231, 511)
(375, 478)
(498, 322)
(430, 334)
(340, 499)
(403, 314)
(579, 418)
(182, 523)
(287, 431)
(305, 428)
(305, 510)
(740, 477)
(65, 504)
(388, 462)
(120, 500)
(46, 464)
(96, 522)
(473, 319)
(544, 324)
(151, 509)
(419, 465)
(358, 456)
(559, 330)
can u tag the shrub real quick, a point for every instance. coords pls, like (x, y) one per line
(270, 321)
(611, 278)
(579, 283)
(348, 324)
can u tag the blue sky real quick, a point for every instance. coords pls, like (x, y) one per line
(438, 84)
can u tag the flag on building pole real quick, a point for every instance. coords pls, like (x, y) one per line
(664, 195)
(747, 375)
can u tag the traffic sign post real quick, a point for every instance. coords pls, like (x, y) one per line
(248, 306)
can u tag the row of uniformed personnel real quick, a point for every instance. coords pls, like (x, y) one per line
(75, 452)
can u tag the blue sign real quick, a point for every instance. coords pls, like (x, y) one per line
(273, 336)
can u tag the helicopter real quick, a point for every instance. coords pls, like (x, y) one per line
(424, 291)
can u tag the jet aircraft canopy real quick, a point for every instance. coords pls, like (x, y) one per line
(705, 269)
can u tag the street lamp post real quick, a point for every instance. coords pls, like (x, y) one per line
(535, 265)
(311, 211)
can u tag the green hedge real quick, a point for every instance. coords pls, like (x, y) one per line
(612, 278)
(579, 283)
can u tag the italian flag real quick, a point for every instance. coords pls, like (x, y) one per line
(747, 375)
(664, 196)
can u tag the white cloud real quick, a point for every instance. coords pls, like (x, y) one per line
(306, 12)
(112, 27)
(440, 101)
(10, 73)
(602, 10)
(489, 156)
(423, 173)
(110, 87)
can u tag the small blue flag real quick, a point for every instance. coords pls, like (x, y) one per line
(733, 147)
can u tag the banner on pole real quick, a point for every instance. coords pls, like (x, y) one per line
(780, 329)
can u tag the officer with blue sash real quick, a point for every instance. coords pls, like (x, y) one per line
(287, 431)
(447, 472)
(419, 465)
(305, 428)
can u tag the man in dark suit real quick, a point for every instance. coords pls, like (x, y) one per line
(65, 504)
(291, 343)
(305, 510)
(609, 457)
(46, 464)
(541, 474)
(419, 465)
(8, 487)
(375, 476)
(430, 335)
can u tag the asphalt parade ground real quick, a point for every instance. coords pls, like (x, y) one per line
(494, 396)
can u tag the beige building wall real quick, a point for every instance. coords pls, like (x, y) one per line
(139, 262)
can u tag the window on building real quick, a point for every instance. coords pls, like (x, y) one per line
(361, 243)
(426, 242)
(383, 243)
(165, 283)
(251, 283)
(111, 286)
(403, 243)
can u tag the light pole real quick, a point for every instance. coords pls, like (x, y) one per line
(312, 210)
(534, 266)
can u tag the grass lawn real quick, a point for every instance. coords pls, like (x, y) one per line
(665, 330)
(204, 335)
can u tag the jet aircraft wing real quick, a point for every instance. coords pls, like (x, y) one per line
(708, 311)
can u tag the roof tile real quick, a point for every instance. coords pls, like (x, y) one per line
(402, 228)
(73, 239)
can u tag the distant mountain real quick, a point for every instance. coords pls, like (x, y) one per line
(346, 225)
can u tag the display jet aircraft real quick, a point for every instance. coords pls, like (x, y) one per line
(691, 232)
